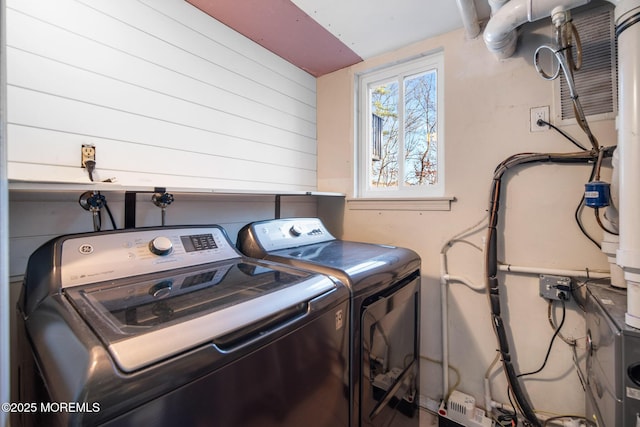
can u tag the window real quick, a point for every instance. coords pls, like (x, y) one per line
(401, 136)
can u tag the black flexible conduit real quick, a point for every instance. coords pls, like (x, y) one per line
(491, 261)
(629, 22)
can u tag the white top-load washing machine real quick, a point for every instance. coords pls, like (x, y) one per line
(384, 282)
(172, 326)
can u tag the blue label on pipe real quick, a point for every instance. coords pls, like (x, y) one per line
(596, 194)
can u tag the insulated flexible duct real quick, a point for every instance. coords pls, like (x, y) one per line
(491, 262)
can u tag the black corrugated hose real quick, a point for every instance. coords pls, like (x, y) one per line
(491, 261)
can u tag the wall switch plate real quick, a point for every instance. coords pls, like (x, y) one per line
(539, 113)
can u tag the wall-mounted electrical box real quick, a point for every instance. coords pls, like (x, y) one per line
(555, 287)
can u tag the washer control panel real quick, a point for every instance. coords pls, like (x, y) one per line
(291, 232)
(92, 258)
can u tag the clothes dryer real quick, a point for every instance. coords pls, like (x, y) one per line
(384, 282)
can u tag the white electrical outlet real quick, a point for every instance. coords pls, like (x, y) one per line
(539, 113)
(88, 153)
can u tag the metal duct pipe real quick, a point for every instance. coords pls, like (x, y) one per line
(469, 16)
(501, 35)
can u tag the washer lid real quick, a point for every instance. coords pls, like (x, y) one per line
(306, 243)
(161, 315)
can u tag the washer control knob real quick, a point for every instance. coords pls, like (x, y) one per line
(161, 246)
(295, 230)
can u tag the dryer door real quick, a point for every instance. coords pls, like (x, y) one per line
(390, 356)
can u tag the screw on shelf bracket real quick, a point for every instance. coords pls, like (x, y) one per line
(162, 200)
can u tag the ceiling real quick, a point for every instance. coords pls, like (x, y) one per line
(321, 36)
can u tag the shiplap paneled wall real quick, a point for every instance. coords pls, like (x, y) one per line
(169, 96)
(38, 217)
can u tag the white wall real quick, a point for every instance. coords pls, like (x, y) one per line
(487, 106)
(168, 95)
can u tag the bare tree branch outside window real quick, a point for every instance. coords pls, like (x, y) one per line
(384, 103)
(416, 136)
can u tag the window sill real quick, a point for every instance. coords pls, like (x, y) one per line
(402, 204)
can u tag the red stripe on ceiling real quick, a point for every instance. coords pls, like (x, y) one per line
(283, 28)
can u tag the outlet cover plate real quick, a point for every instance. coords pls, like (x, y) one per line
(537, 113)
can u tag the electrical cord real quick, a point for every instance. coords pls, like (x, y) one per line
(509, 416)
(91, 166)
(555, 334)
(563, 54)
(562, 51)
(516, 407)
(113, 222)
(506, 418)
(595, 175)
(571, 343)
(580, 225)
(491, 264)
(601, 224)
(541, 122)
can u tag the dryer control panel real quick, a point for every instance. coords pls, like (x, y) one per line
(288, 233)
(97, 257)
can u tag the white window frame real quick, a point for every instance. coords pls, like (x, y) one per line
(421, 64)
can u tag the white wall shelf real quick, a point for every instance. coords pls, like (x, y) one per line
(72, 188)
